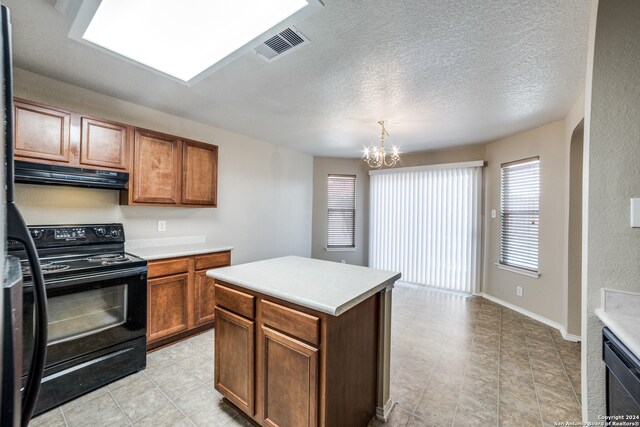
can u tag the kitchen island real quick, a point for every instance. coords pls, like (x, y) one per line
(304, 342)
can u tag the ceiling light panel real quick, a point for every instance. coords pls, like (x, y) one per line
(184, 39)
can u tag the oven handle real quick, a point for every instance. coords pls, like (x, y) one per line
(52, 284)
(17, 230)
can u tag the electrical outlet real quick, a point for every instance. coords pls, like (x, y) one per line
(162, 225)
(519, 291)
(493, 213)
(343, 261)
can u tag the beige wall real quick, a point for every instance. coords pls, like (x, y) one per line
(322, 167)
(543, 296)
(612, 177)
(264, 191)
(462, 154)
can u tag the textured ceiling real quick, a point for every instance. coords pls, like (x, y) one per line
(442, 73)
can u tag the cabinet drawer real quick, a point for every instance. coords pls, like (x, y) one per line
(218, 259)
(168, 267)
(236, 301)
(293, 322)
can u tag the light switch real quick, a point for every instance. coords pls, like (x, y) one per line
(635, 212)
(493, 213)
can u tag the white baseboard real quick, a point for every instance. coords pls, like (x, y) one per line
(571, 337)
(534, 316)
(383, 413)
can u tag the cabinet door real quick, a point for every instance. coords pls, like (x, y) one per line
(41, 133)
(199, 173)
(234, 360)
(104, 144)
(205, 300)
(156, 168)
(289, 380)
(168, 306)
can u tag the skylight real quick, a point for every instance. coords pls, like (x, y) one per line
(185, 38)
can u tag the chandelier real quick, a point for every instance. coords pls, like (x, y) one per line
(376, 157)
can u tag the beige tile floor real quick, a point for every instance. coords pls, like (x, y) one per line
(456, 361)
(463, 361)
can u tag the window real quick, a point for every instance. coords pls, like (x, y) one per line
(520, 214)
(341, 215)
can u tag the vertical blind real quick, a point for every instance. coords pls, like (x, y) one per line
(341, 215)
(426, 224)
(520, 213)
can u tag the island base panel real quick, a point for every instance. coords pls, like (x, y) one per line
(302, 379)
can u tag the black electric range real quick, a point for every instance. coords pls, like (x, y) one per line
(97, 308)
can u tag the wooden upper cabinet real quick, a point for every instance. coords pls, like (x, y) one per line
(157, 169)
(168, 170)
(42, 133)
(51, 135)
(104, 144)
(199, 173)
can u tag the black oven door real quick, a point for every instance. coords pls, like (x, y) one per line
(90, 313)
(623, 379)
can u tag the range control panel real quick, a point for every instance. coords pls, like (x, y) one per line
(69, 233)
(46, 236)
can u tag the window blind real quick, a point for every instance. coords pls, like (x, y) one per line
(426, 224)
(520, 213)
(341, 215)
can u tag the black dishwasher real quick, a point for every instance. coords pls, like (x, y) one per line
(623, 380)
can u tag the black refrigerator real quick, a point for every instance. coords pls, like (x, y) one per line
(17, 399)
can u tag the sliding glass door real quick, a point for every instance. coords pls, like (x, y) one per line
(426, 223)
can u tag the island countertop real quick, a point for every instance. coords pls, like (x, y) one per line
(326, 286)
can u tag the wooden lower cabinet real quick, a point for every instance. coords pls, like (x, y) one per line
(205, 298)
(172, 294)
(290, 380)
(234, 361)
(311, 369)
(180, 297)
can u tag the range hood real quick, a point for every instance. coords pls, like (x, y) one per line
(36, 173)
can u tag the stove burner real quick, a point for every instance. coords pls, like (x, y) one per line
(24, 266)
(53, 267)
(119, 260)
(111, 258)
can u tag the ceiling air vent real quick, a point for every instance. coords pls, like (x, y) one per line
(284, 42)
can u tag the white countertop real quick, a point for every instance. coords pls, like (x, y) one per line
(620, 312)
(171, 247)
(325, 286)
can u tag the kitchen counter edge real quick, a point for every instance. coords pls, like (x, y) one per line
(174, 251)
